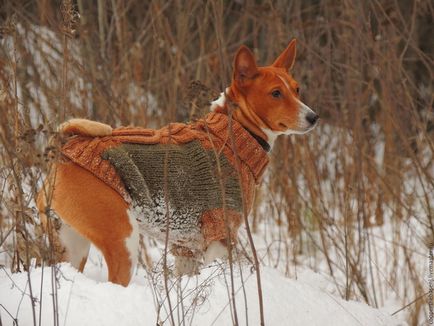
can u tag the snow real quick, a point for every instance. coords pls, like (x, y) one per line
(87, 299)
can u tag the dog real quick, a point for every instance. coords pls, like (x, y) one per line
(187, 185)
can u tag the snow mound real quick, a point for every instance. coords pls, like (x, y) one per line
(85, 301)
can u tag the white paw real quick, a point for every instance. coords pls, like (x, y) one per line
(215, 250)
(186, 266)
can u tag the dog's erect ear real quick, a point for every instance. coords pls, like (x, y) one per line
(287, 58)
(244, 65)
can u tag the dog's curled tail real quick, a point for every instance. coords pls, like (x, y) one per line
(84, 127)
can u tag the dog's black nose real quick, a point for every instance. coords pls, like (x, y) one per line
(312, 117)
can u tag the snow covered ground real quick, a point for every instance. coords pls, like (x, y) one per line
(87, 299)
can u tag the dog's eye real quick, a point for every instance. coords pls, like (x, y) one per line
(297, 90)
(276, 93)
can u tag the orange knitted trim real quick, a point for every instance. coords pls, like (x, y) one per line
(242, 144)
(86, 152)
(213, 221)
(214, 225)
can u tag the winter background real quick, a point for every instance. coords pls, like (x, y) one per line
(343, 220)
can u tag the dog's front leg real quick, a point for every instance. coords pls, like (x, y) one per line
(187, 262)
(185, 265)
(190, 264)
(216, 249)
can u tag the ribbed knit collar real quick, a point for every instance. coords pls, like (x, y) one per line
(243, 144)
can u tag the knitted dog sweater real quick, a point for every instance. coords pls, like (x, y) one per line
(194, 179)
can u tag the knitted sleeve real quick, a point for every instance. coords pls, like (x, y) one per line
(214, 225)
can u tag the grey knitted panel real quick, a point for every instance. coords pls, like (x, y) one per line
(128, 171)
(192, 182)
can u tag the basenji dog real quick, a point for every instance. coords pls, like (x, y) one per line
(188, 185)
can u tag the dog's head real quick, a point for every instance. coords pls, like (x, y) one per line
(268, 97)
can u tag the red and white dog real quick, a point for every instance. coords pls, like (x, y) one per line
(87, 210)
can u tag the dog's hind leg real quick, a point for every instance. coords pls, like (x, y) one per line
(92, 211)
(66, 243)
(121, 253)
(76, 246)
(120, 262)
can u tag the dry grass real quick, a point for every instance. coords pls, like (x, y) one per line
(365, 66)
